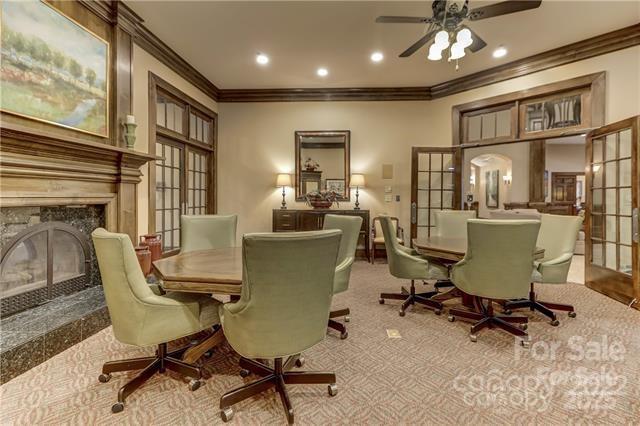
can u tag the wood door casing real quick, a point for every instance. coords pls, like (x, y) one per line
(612, 257)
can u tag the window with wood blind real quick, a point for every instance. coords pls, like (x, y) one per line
(182, 181)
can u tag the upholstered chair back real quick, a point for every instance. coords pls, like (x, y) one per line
(350, 227)
(452, 223)
(286, 293)
(499, 258)
(125, 289)
(558, 235)
(205, 232)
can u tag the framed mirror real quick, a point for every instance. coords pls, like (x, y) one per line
(322, 162)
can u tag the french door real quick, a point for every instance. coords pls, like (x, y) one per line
(182, 181)
(435, 185)
(612, 257)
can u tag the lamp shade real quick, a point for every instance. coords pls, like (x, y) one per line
(357, 180)
(284, 179)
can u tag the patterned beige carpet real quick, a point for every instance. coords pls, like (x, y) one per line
(584, 371)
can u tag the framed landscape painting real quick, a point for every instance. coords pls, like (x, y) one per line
(53, 69)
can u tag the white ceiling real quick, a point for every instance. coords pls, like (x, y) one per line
(221, 39)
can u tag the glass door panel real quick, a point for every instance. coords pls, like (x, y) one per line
(169, 184)
(612, 205)
(433, 184)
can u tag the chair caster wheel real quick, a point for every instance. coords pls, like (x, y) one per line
(438, 312)
(381, 301)
(572, 314)
(226, 414)
(507, 312)
(344, 335)
(244, 373)
(555, 323)
(117, 407)
(523, 326)
(401, 313)
(473, 337)
(525, 343)
(194, 384)
(333, 389)
(104, 378)
(451, 318)
(300, 362)
(347, 318)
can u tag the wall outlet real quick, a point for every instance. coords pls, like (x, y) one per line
(397, 198)
(387, 189)
(388, 198)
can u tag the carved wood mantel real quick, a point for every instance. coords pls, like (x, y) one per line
(37, 169)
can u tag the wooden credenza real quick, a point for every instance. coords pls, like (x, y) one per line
(313, 220)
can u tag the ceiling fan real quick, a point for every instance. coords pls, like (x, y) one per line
(447, 21)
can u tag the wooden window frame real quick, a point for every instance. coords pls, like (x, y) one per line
(592, 85)
(159, 86)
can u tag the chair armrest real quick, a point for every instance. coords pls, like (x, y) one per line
(345, 264)
(409, 251)
(558, 260)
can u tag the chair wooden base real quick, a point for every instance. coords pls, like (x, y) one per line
(485, 317)
(277, 377)
(410, 297)
(544, 308)
(149, 366)
(333, 324)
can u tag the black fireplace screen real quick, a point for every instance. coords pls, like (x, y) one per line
(40, 263)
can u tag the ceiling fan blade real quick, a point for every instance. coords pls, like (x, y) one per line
(478, 43)
(418, 44)
(402, 20)
(502, 8)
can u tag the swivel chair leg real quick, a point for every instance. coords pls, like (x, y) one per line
(339, 326)
(149, 366)
(411, 298)
(277, 377)
(544, 308)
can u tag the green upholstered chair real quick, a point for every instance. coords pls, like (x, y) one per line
(406, 263)
(283, 310)
(496, 266)
(558, 236)
(141, 316)
(377, 236)
(205, 232)
(350, 227)
(451, 224)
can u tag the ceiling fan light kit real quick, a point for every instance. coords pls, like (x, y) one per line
(447, 21)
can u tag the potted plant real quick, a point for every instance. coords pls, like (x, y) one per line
(321, 199)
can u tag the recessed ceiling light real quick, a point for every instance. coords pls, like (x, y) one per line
(377, 56)
(322, 72)
(262, 59)
(499, 52)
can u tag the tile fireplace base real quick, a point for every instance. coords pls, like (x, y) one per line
(29, 338)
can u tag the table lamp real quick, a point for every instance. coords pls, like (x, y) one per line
(283, 180)
(357, 181)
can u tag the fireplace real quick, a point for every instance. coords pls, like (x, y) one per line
(46, 252)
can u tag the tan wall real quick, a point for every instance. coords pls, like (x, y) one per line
(143, 62)
(257, 139)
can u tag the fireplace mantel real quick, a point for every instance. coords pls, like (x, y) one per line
(37, 168)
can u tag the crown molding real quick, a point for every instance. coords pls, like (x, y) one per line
(346, 94)
(594, 46)
(117, 13)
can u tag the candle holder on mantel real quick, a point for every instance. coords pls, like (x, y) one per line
(130, 131)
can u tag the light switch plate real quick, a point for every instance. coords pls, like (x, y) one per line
(387, 189)
(388, 198)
